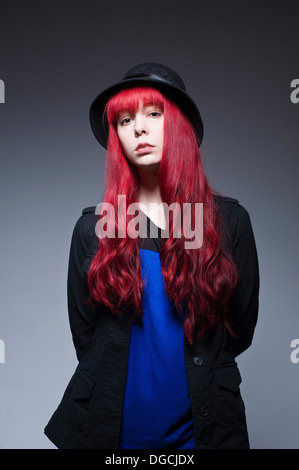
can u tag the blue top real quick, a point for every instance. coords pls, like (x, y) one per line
(157, 406)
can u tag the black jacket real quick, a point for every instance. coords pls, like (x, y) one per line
(89, 415)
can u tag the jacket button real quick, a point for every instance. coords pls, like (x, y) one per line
(197, 361)
(203, 411)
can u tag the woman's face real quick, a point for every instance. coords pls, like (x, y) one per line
(141, 135)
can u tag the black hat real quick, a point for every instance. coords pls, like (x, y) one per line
(152, 74)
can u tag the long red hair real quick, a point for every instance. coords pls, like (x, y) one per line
(198, 281)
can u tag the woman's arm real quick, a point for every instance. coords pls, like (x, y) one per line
(245, 301)
(81, 314)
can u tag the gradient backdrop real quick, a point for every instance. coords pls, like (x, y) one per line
(238, 60)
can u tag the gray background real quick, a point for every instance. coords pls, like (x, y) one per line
(237, 60)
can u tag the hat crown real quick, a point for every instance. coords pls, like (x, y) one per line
(159, 71)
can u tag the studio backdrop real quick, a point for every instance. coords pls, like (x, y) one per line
(239, 63)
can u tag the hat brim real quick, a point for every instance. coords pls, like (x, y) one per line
(182, 99)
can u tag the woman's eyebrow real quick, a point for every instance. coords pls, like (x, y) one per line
(124, 113)
(152, 107)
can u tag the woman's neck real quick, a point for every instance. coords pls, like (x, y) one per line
(149, 192)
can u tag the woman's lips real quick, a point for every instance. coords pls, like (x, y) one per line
(144, 149)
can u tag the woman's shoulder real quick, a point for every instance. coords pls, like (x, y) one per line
(236, 216)
(229, 205)
(85, 226)
(226, 202)
(88, 217)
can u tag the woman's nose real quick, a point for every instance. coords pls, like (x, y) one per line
(140, 131)
(140, 127)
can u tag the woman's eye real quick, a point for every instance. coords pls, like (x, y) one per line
(125, 121)
(155, 113)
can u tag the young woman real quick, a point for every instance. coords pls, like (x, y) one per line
(157, 323)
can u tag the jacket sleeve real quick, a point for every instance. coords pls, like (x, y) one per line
(245, 300)
(81, 313)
